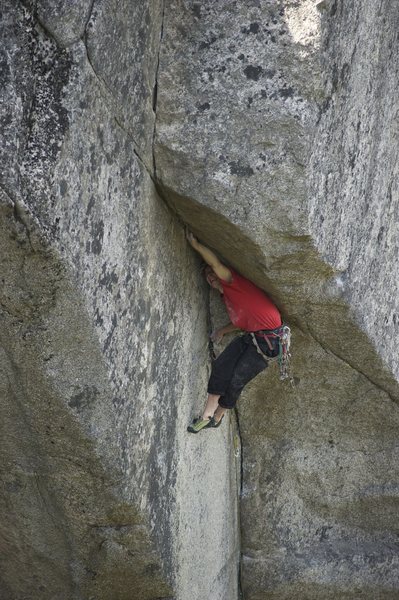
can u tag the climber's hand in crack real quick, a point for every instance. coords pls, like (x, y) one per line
(217, 334)
(217, 269)
(192, 240)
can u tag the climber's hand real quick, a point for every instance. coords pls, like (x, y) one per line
(217, 335)
(192, 240)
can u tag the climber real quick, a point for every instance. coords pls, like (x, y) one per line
(251, 311)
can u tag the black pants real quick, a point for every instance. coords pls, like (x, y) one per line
(236, 366)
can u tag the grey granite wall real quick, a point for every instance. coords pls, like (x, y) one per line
(355, 165)
(104, 327)
(275, 141)
(266, 128)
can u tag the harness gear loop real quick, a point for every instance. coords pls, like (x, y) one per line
(283, 358)
(259, 351)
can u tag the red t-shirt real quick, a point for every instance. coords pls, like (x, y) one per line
(248, 306)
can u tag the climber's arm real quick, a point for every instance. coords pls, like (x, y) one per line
(217, 335)
(210, 258)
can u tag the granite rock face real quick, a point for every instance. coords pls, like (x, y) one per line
(276, 143)
(103, 328)
(265, 127)
(359, 170)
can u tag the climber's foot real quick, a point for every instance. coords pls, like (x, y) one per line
(198, 424)
(214, 423)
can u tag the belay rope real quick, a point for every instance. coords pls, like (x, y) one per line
(283, 358)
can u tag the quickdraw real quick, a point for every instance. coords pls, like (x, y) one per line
(283, 358)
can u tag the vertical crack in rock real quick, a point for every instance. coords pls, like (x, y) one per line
(155, 89)
(110, 103)
(108, 96)
(89, 15)
(215, 312)
(238, 453)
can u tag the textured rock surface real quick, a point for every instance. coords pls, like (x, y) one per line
(103, 328)
(265, 126)
(358, 171)
(270, 144)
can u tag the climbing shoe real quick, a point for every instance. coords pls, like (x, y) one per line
(214, 423)
(198, 424)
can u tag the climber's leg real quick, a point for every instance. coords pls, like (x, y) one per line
(218, 414)
(211, 405)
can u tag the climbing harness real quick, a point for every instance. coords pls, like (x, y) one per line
(283, 358)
